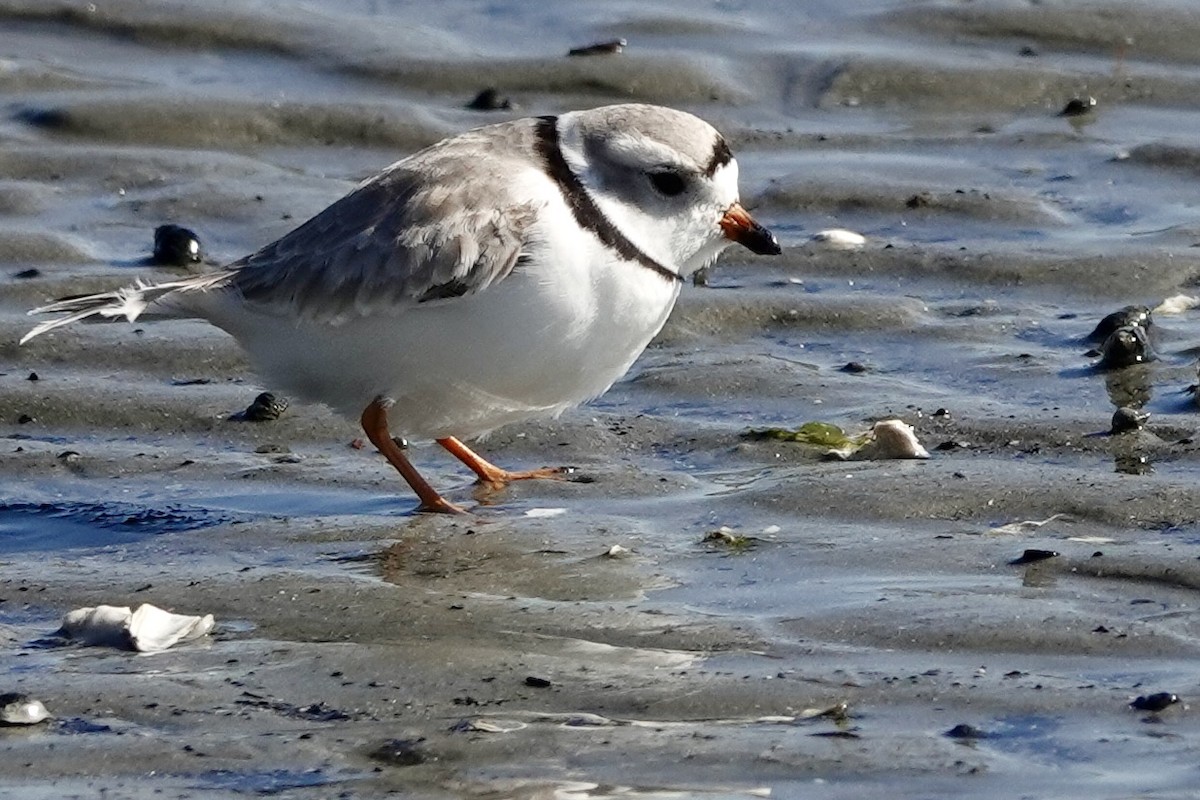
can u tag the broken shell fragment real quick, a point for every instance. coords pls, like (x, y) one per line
(839, 239)
(148, 630)
(21, 709)
(482, 725)
(890, 438)
(1177, 304)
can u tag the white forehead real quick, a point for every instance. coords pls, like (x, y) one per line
(725, 180)
(637, 150)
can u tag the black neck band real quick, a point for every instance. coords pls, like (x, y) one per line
(583, 207)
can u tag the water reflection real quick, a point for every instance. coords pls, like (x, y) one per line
(1129, 387)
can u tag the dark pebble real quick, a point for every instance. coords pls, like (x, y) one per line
(33, 376)
(176, 246)
(611, 47)
(26, 274)
(537, 683)
(964, 731)
(950, 444)
(1129, 315)
(25, 419)
(1027, 52)
(1128, 419)
(1127, 346)
(1078, 106)
(1135, 464)
(1032, 556)
(922, 200)
(401, 752)
(490, 99)
(265, 408)
(1155, 702)
(854, 368)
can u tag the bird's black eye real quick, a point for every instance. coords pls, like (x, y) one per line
(668, 182)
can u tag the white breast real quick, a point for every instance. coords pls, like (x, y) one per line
(557, 332)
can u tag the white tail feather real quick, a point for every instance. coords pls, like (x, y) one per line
(128, 302)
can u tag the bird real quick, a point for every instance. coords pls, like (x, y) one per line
(503, 274)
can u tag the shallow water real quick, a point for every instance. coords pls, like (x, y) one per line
(999, 233)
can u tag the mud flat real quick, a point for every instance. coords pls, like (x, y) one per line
(714, 614)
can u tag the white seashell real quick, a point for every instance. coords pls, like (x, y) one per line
(891, 438)
(483, 725)
(147, 630)
(98, 625)
(151, 629)
(617, 551)
(1026, 525)
(840, 239)
(21, 709)
(541, 513)
(1177, 304)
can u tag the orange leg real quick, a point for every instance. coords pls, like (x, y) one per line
(374, 423)
(492, 475)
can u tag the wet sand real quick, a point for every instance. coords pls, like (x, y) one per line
(364, 651)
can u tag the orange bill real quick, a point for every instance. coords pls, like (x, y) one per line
(740, 227)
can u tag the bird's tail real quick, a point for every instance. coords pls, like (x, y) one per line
(128, 302)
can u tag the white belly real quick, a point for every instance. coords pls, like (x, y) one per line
(538, 342)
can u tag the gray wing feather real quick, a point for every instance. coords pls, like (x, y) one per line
(425, 230)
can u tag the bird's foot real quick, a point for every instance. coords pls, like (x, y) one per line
(440, 505)
(504, 477)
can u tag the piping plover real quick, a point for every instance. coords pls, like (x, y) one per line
(510, 272)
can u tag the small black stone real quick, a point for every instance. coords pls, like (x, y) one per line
(26, 274)
(921, 200)
(1127, 346)
(1155, 702)
(25, 419)
(537, 683)
(611, 47)
(266, 407)
(965, 731)
(490, 99)
(854, 368)
(176, 246)
(402, 752)
(1128, 419)
(1032, 556)
(1129, 315)
(1078, 106)
(33, 376)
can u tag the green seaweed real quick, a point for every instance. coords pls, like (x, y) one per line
(820, 434)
